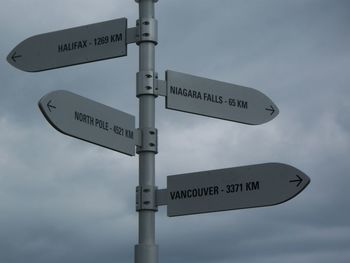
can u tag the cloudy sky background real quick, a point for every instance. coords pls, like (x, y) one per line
(65, 200)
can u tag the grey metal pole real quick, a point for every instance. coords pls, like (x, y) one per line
(146, 251)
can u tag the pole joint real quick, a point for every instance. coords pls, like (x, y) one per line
(147, 29)
(146, 198)
(149, 141)
(138, 1)
(147, 83)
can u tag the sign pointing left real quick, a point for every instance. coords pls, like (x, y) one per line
(90, 121)
(71, 46)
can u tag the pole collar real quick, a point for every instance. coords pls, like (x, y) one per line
(147, 29)
(149, 140)
(146, 198)
(146, 83)
(138, 1)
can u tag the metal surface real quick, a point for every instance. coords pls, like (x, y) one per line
(90, 121)
(232, 188)
(72, 46)
(149, 141)
(146, 251)
(146, 198)
(148, 30)
(146, 82)
(217, 99)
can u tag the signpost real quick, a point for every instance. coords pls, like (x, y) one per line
(232, 188)
(217, 99)
(72, 46)
(79, 117)
(90, 121)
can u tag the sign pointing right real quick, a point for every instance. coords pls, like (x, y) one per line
(232, 188)
(217, 99)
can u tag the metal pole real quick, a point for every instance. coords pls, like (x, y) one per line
(146, 251)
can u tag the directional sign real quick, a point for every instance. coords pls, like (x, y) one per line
(88, 120)
(217, 99)
(233, 188)
(71, 46)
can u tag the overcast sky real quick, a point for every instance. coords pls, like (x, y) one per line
(66, 200)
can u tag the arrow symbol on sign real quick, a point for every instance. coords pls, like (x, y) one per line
(14, 56)
(299, 180)
(271, 109)
(49, 106)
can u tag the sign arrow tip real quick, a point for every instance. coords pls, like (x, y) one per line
(299, 180)
(271, 109)
(15, 56)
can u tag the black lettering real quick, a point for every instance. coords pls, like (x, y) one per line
(194, 193)
(172, 195)
(173, 89)
(213, 98)
(242, 104)
(60, 48)
(83, 118)
(193, 94)
(175, 195)
(255, 185)
(205, 190)
(118, 130)
(216, 190)
(207, 97)
(101, 124)
(248, 186)
(252, 186)
(232, 102)
(129, 134)
(233, 188)
(117, 37)
(72, 46)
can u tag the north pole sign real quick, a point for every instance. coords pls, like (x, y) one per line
(89, 120)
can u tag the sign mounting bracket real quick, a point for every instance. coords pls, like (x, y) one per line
(131, 35)
(148, 141)
(146, 198)
(161, 88)
(147, 29)
(161, 197)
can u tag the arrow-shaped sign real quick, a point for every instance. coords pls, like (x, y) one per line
(217, 99)
(71, 46)
(232, 188)
(90, 121)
